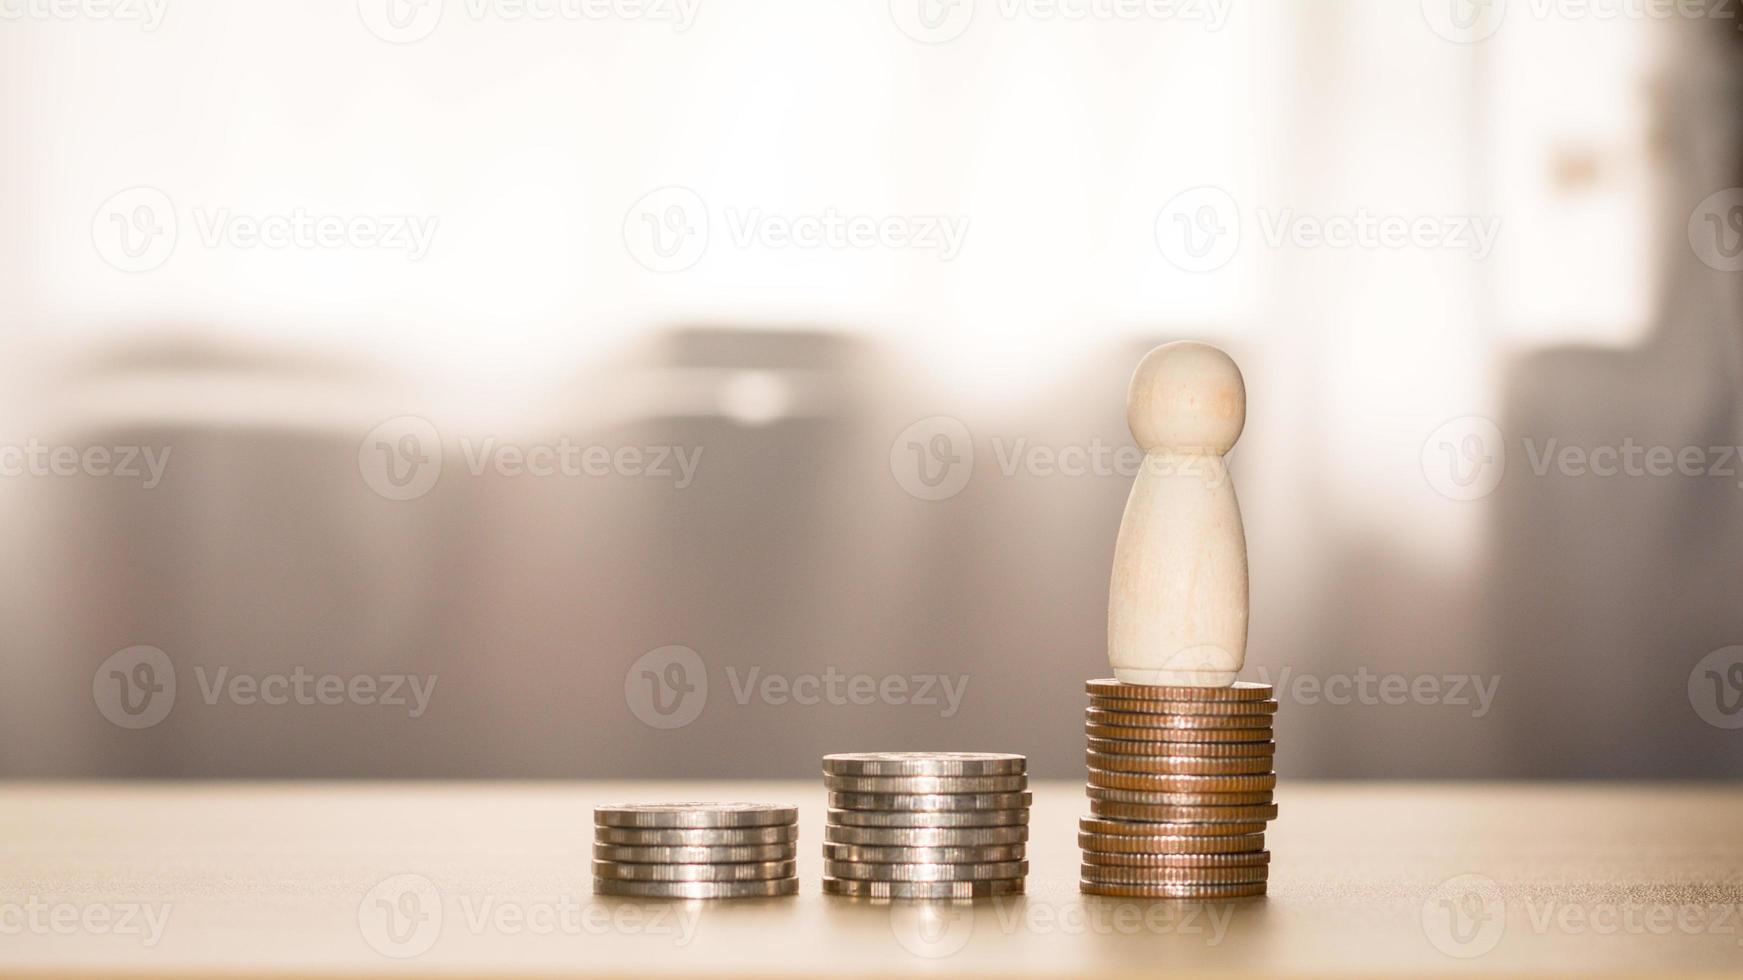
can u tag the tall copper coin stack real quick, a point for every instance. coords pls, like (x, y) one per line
(1180, 785)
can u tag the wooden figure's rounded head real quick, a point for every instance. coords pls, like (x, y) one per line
(1187, 397)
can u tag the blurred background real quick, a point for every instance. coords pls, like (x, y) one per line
(556, 388)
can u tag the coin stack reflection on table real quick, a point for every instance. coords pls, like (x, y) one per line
(1180, 785)
(695, 850)
(925, 825)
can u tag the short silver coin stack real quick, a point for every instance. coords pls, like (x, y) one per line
(695, 850)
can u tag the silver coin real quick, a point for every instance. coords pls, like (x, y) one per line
(696, 836)
(925, 872)
(935, 819)
(752, 871)
(925, 836)
(924, 764)
(696, 889)
(909, 802)
(936, 890)
(924, 855)
(633, 854)
(926, 784)
(695, 814)
(1152, 797)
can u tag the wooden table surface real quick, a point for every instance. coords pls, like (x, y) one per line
(290, 878)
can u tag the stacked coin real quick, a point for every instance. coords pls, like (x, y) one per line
(695, 850)
(925, 824)
(1180, 785)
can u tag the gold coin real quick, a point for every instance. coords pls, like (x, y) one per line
(1162, 798)
(1182, 814)
(1132, 719)
(1242, 859)
(1117, 875)
(1197, 892)
(1203, 750)
(1107, 687)
(1135, 734)
(1161, 843)
(1184, 707)
(1177, 783)
(1122, 827)
(1179, 765)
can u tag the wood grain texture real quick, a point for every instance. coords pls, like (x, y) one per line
(268, 878)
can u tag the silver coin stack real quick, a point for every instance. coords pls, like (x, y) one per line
(925, 825)
(1180, 789)
(695, 850)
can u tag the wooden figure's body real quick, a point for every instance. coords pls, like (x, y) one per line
(1177, 601)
